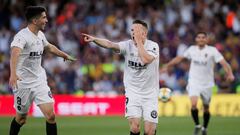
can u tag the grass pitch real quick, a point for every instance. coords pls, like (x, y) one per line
(116, 125)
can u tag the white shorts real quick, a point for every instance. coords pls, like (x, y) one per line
(23, 97)
(204, 93)
(137, 107)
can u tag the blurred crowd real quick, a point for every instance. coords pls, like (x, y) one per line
(172, 24)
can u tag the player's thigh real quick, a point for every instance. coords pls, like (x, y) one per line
(42, 94)
(206, 95)
(22, 100)
(193, 91)
(44, 100)
(194, 100)
(47, 109)
(133, 107)
(150, 110)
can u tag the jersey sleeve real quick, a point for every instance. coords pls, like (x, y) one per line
(154, 50)
(18, 41)
(123, 47)
(187, 53)
(44, 40)
(217, 56)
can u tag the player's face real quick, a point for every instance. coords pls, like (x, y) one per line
(132, 32)
(134, 27)
(201, 39)
(42, 21)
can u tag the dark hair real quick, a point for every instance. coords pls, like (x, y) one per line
(140, 22)
(33, 12)
(201, 32)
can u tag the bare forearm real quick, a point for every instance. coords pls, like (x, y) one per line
(13, 61)
(106, 44)
(54, 50)
(15, 52)
(175, 61)
(102, 42)
(13, 64)
(145, 57)
(227, 68)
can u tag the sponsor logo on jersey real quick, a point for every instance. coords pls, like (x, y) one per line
(136, 65)
(200, 63)
(35, 55)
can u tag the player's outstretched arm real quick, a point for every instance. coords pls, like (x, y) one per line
(173, 62)
(228, 70)
(54, 50)
(15, 52)
(101, 42)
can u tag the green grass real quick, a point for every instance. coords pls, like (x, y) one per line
(115, 125)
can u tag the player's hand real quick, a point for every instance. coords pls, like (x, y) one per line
(70, 58)
(88, 38)
(13, 81)
(230, 77)
(139, 35)
(164, 69)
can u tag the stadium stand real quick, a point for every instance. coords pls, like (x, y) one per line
(172, 24)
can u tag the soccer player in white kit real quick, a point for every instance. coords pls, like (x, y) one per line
(141, 76)
(28, 78)
(201, 76)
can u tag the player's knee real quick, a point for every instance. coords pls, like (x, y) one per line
(206, 110)
(194, 106)
(150, 131)
(50, 117)
(21, 120)
(135, 128)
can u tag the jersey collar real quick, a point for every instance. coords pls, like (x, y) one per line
(32, 32)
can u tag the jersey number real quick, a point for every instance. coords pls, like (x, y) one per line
(18, 100)
(19, 103)
(127, 99)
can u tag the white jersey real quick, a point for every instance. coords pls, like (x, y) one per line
(140, 79)
(201, 74)
(29, 67)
